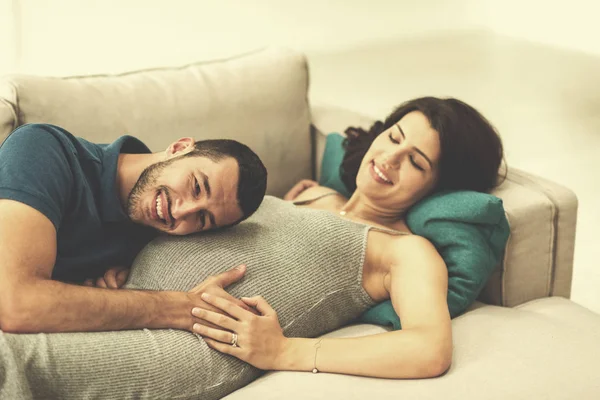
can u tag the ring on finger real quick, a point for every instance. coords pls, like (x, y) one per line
(234, 339)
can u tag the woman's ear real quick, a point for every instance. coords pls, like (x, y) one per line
(180, 147)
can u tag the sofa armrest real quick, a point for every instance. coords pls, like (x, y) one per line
(538, 260)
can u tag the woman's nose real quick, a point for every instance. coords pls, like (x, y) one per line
(394, 158)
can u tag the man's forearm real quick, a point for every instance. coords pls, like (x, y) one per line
(52, 306)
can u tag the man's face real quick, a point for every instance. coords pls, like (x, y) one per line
(184, 195)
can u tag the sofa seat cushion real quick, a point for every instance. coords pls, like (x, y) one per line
(543, 349)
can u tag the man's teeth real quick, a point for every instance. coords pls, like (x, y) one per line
(159, 207)
(380, 174)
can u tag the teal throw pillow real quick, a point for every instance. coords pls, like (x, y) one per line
(330, 166)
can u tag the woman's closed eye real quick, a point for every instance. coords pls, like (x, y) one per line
(415, 164)
(411, 157)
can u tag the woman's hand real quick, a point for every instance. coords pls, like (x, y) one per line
(215, 286)
(299, 188)
(260, 339)
(113, 278)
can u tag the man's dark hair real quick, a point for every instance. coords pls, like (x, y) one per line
(252, 183)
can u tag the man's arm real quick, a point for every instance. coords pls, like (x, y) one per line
(30, 301)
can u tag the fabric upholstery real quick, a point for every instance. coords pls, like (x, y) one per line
(539, 254)
(8, 118)
(546, 349)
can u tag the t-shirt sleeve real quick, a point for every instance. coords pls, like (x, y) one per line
(35, 169)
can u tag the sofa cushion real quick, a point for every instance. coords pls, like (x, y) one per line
(546, 349)
(259, 99)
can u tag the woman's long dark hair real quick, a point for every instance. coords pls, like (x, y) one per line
(471, 150)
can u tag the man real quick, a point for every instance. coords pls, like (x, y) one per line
(70, 210)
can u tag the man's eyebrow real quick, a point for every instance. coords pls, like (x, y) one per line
(416, 148)
(206, 184)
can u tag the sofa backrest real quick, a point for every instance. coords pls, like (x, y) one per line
(259, 99)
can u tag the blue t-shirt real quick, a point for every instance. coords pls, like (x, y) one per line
(73, 183)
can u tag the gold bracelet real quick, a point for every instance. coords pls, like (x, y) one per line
(317, 347)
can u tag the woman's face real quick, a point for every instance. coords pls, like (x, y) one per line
(400, 167)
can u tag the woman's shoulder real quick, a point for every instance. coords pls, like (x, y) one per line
(400, 248)
(412, 241)
(389, 255)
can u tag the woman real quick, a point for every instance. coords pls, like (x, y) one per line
(425, 145)
(320, 263)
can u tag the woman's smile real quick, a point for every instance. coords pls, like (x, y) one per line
(378, 175)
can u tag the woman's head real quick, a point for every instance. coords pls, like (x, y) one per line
(425, 145)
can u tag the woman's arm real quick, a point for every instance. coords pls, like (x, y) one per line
(422, 349)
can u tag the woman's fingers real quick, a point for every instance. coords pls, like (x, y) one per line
(216, 319)
(222, 293)
(227, 306)
(212, 333)
(260, 339)
(202, 305)
(260, 304)
(225, 348)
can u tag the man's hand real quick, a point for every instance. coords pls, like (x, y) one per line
(113, 278)
(215, 286)
(299, 188)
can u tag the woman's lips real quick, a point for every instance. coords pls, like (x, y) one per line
(376, 176)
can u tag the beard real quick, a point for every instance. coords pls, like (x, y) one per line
(145, 182)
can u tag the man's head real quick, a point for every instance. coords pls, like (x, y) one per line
(198, 186)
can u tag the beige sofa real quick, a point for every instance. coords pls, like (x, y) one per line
(523, 340)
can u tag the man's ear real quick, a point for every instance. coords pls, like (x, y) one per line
(180, 147)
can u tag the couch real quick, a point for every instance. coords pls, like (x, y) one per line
(522, 339)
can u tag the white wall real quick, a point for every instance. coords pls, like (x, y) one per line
(87, 36)
(64, 37)
(9, 44)
(569, 24)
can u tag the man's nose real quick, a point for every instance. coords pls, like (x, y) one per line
(183, 208)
